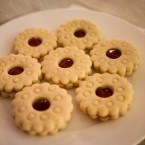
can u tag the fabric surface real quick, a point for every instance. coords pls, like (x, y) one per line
(131, 10)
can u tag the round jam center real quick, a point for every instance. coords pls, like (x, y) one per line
(34, 41)
(104, 92)
(65, 63)
(41, 104)
(15, 71)
(113, 53)
(80, 33)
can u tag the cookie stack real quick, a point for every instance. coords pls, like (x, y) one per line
(46, 63)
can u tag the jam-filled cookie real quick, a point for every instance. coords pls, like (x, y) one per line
(80, 33)
(18, 71)
(104, 96)
(8, 94)
(36, 42)
(42, 109)
(115, 56)
(66, 66)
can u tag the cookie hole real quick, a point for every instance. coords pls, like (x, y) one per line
(15, 71)
(80, 33)
(65, 63)
(104, 92)
(41, 104)
(113, 53)
(34, 41)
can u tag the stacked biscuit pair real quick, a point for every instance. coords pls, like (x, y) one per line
(45, 108)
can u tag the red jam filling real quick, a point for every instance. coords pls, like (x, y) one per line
(15, 71)
(34, 41)
(65, 63)
(41, 104)
(113, 53)
(104, 92)
(80, 33)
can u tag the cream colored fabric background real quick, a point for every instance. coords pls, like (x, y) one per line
(130, 10)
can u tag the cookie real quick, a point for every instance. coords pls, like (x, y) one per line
(80, 33)
(18, 71)
(115, 56)
(8, 94)
(66, 66)
(35, 42)
(42, 109)
(104, 96)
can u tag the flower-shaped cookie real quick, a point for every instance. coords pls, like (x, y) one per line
(35, 42)
(104, 96)
(115, 56)
(18, 71)
(66, 66)
(80, 33)
(42, 109)
(8, 94)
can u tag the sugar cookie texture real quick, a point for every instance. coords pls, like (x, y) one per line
(42, 109)
(80, 33)
(115, 56)
(35, 42)
(66, 66)
(18, 71)
(8, 94)
(104, 96)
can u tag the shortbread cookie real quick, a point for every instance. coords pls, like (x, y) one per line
(42, 109)
(18, 71)
(80, 33)
(35, 42)
(8, 94)
(66, 66)
(104, 96)
(115, 56)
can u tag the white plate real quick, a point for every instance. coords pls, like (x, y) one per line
(81, 130)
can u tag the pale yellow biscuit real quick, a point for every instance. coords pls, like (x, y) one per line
(8, 94)
(66, 66)
(80, 33)
(42, 109)
(18, 71)
(36, 42)
(115, 56)
(104, 96)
